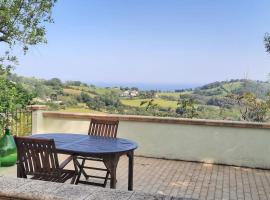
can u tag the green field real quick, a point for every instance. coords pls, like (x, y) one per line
(232, 86)
(80, 110)
(173, 94)
(72, 91)
(210, 101)
(159, 102)
(97, 90)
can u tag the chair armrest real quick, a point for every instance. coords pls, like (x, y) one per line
(65, 162)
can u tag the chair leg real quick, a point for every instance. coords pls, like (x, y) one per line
(83, 171)
(20, 171)
(80, 172)
(106, 178)
(73, 179)
(75, 168)
(84, 174)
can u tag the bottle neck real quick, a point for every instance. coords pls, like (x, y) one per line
(7, 131)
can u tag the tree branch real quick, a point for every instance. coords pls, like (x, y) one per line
(18, 13)
(15, 18)
(3, 32)
(4, 39)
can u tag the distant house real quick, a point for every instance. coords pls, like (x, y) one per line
(39, 100)
(125, 94)
(134, 93)
(130, 93)
(58, 102)
(48, 99)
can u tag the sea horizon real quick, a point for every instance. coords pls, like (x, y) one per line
(150, 86)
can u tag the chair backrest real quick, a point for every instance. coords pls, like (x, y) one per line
(37, 156)
(104, 128)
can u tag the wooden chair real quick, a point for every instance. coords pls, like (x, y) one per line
(102, 128)
(38, 158)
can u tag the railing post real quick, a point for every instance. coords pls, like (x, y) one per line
(37, 117)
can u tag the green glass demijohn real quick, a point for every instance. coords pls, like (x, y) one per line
(8, 150)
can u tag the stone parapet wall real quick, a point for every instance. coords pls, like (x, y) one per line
(22, 189)
(223, 142)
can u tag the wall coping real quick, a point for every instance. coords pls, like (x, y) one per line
(37, 107)
(152, 119)
(22, 189)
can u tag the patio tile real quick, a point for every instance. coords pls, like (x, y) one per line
(181, 179)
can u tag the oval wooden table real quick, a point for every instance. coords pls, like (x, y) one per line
(108, 149)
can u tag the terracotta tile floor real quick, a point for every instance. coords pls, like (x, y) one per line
(195, 180)
(190, 180)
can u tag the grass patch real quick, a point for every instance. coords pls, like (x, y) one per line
(72, 91)
(159, 102)
(80, 110)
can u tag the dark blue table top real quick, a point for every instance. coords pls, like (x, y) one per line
(85, 144)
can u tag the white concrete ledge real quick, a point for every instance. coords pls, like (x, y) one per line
(166, 120)
(222, 142)
(23, 189)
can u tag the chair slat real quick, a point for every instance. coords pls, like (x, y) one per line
(38, 158)
(103, 128)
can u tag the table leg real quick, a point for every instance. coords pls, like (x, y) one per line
(113, 178)
(130, 169)
(111, 163)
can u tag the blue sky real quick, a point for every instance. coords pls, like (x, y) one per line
(153, 41)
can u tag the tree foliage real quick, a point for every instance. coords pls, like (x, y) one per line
(22, 23)
(251, 108)
(12, 97)
(267, 42)
(186, 107)
(106, 102)
(56, 84)
(149, 104)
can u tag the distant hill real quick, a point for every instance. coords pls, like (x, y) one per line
(43, 88)
(211, 99)
(239, 86)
